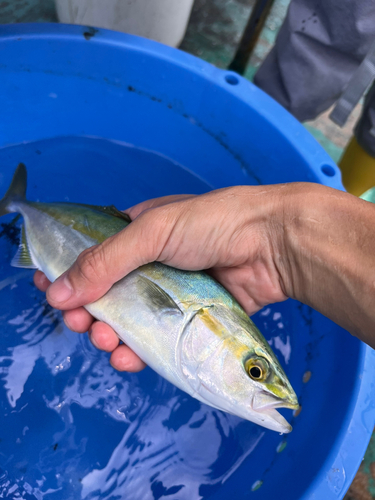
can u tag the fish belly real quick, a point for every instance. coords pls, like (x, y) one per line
(156, 338)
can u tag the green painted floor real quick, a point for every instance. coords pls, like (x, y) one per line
(213, 33)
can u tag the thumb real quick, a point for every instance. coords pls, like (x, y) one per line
(99, 267)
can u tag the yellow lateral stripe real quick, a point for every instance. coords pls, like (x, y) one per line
(238, 348)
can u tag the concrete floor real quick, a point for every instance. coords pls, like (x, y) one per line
(213, 34)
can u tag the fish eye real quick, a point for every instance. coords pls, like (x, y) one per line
(256, 372)
(257, 368)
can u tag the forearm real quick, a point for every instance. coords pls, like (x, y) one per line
(329, 237)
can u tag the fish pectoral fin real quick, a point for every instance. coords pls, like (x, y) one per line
(23, 257)
(157, 299)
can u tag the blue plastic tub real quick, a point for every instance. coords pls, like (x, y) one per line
(101, 117)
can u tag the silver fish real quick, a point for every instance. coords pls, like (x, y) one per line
(183, 324)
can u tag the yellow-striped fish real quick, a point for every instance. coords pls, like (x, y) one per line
(184, 325)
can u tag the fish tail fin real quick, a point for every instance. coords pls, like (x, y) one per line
(16, 190)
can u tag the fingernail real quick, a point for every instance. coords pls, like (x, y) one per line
(92, 339)
(67, 324)
(60, 291)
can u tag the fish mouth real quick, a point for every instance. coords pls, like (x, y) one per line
(266, 404)
(264, 401)
(263, 407)
(279, 424)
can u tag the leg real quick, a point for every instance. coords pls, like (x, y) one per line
(320, 45)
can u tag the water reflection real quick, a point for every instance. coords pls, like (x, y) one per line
(72, 427)
(279, 342)
(75, 428)
(173, 460)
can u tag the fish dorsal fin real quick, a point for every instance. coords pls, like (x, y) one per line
(110, 210)
(16, 190)
(157, 299)
(23, 257)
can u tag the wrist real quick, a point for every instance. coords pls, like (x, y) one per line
(305, 209)
(328, 262)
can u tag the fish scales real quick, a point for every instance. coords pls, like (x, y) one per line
(183, 324)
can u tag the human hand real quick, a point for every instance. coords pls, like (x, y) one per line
(262, 243)
(231, 232)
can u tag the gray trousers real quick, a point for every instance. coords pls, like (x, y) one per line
(319, 47)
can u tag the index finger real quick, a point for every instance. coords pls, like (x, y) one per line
(99, 267)
(136, 210)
